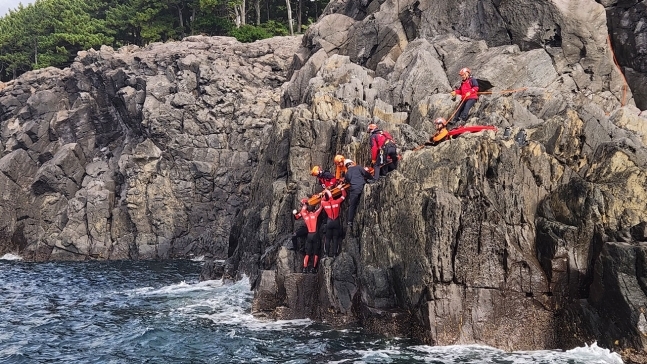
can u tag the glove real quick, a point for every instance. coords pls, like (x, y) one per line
(372, 162)
(294, 212)
(467, 94)
(453, 93)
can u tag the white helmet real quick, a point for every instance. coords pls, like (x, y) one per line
(348, 162)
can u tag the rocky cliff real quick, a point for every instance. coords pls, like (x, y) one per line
(138, 153)
(516, 244)
(204, 147)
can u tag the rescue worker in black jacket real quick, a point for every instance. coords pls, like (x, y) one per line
(357, 176)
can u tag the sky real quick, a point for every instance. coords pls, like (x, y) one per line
(5, 5)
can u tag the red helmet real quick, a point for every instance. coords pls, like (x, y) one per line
(371, 127)
(315, 171)
(339, 159)
(464, 71)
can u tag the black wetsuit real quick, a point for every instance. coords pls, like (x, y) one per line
(357, 177)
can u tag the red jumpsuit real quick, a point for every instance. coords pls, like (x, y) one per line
(333, 227)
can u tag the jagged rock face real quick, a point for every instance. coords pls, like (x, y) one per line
(480, 239)
(627, 21)
(137, 153)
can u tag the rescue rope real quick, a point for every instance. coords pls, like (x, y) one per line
(455, 111)
(615, 61)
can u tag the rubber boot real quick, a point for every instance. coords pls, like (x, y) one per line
(314, 264)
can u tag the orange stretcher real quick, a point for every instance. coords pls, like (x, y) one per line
(336, 193)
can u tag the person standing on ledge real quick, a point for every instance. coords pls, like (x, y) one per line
(383, 148)
(332, 206)
(356, 176)
(468, 91)
(300, 229)
(313, 242)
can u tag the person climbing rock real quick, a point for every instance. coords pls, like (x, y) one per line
(468, 91)
(357, 177)
(300, 229)
(340, 171)
(441, 132)
(383, 149)
(312, 241)
(326, 179)
(333, 226)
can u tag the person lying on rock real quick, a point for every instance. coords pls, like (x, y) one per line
(340, 170)
(382, 148)
(300, 229)
(332, 206)
(325, 178)
(312, 241)
(357, 177)
(468, 92)
(441, 132)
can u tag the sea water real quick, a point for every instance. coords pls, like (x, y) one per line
(158, 312)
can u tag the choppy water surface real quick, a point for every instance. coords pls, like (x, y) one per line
(158, 312)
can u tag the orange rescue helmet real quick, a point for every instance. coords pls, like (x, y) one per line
(315, 171)
(339, 159)
(464, 71)
(371, 127)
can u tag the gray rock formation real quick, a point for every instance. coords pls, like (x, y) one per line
(480, 239)
(627, 21)
(137, 153)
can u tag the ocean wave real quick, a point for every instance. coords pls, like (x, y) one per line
(10, 256)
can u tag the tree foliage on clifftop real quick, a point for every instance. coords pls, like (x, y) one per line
(51, 32)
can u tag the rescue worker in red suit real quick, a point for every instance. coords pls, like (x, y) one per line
(468, 92)
(326, 179)
(332, 208)
(384, 152)
(300, 231)
(310, 217)
(357, 177)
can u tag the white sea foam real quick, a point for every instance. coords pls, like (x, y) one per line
(177, 289)
(459, 353)
(10, 256)
(226, 304)
(596, 354)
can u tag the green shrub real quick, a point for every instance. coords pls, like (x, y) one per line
(275, 28)
(249, 33)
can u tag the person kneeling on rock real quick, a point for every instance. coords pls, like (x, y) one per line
(333, 226)
(441, 132)
(312, 241)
